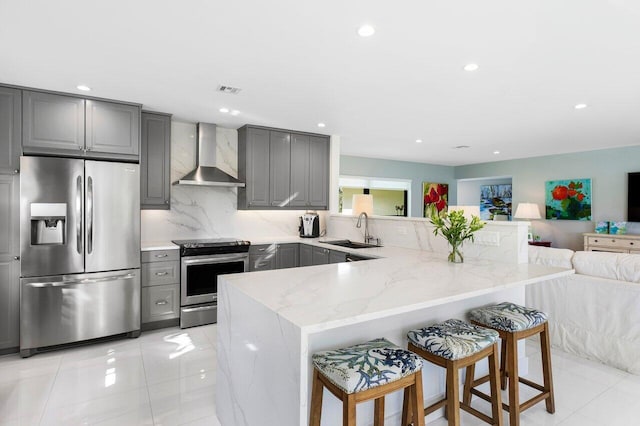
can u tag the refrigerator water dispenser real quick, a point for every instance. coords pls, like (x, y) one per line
(48, 221)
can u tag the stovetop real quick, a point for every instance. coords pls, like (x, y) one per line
(212, 246)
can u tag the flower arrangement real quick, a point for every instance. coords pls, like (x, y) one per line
(456, 229)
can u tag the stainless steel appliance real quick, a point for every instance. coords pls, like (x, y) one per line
(79, 250)
(201, 262)
(309, 225)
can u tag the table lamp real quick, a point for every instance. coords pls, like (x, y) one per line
(362, 203)
(528, 211)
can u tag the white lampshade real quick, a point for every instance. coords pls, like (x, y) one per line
(362, 203)
(468, 210)
(527, 211)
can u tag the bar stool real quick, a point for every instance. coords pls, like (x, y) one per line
(455, 344)
(513, 323)
(363, 372)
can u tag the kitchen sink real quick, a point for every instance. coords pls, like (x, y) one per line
(350, 244)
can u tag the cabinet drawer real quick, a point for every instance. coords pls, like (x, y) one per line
(160, 303)
(262, 249)
(264, 262)
(611, 241)
(160, 273)
(160, 255)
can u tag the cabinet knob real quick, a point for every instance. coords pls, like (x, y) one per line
(16, 257)
(16, 171)
(161, 302)
(166, 201)
(613, 241)
(631, 243)
(595, 241)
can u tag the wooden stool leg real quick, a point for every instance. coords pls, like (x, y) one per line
(349, 410)
(378, 418)
(503, 365)
(545, 348)
(316, 400)
(468, 383)
(494, 377)
(407, 406)
(512, 370)
(453, 394)
(418, 401)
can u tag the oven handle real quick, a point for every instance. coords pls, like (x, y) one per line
(199, 308)
(216, 259)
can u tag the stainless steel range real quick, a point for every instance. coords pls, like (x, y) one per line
(201, 262)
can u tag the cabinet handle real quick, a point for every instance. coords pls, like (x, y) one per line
(16, 257)
(160, 274)
(631, 243)
(161, 302)
(16, 171)
(166, 201)
(161, 255)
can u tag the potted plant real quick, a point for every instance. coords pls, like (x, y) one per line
(456, 229)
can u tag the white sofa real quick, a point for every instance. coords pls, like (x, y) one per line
(596, 312)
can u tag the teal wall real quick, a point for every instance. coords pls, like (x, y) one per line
(608, 172)
(417, 172)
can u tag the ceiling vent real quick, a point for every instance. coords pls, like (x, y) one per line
(228, 89)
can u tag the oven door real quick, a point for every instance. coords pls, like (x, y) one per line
(199, 275)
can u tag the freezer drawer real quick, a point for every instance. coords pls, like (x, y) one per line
(71, 308)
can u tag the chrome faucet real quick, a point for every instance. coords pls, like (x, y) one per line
(367, 237)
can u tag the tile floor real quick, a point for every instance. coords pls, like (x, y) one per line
(167, 377)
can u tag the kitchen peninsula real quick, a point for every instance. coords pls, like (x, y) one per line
(270, 322)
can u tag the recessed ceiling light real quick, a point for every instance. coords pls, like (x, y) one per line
(496, 152)
(366, 31)
(224, 110)
(418, 140)
(235, 112)
(471, 67)
(83, 87)
(322, 125)
(580, 106)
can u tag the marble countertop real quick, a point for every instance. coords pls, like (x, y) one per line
(157, 245)
(322, 297)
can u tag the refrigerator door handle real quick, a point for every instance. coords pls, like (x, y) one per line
(79, 214)
(89, 215)
(66, 283)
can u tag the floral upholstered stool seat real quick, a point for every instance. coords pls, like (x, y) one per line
(455, 344)
(363, 372)
(513, 323)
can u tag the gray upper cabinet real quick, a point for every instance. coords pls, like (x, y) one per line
(288, 256)
(300, 158)
(112, 128)
(70, 126)
(319, 172)
(52, 124)
(282, 169)
(9, 262)
(253, 168)
(155, 161)
(279, 168)
(10, 129)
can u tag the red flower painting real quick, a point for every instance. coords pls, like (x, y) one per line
(436, 198)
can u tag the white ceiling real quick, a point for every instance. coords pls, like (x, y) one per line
(300, 62)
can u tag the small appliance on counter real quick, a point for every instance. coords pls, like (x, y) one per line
(309, 225)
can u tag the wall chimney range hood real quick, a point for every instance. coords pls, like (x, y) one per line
(206, 173)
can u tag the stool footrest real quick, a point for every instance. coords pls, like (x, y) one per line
(476, 413)
(433, 407)
(525, 405)
(532, 384)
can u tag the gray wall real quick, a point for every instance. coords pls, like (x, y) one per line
(417, 172)
(608, 172)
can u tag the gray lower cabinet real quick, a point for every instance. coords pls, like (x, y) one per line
(155, 161)
(337, 256)
(306, 255)
(288, 255)
(282, 169)
(112, 128)
(76, 127)
(10, 129)
(320, 256)
(52, 124)
(9, 262)
(262, 257)
(160, 294)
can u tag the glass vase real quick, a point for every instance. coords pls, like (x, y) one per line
(455, 255)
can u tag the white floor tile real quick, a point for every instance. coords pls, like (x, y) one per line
(205, 421)
(161, 366)
(25, 397)
(613, 407)
(183, 400)
(13, 367)
(126, 408)
(97, 381)
(102, 354)
(175, 340)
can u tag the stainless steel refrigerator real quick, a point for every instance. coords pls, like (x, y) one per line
(79, 251)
